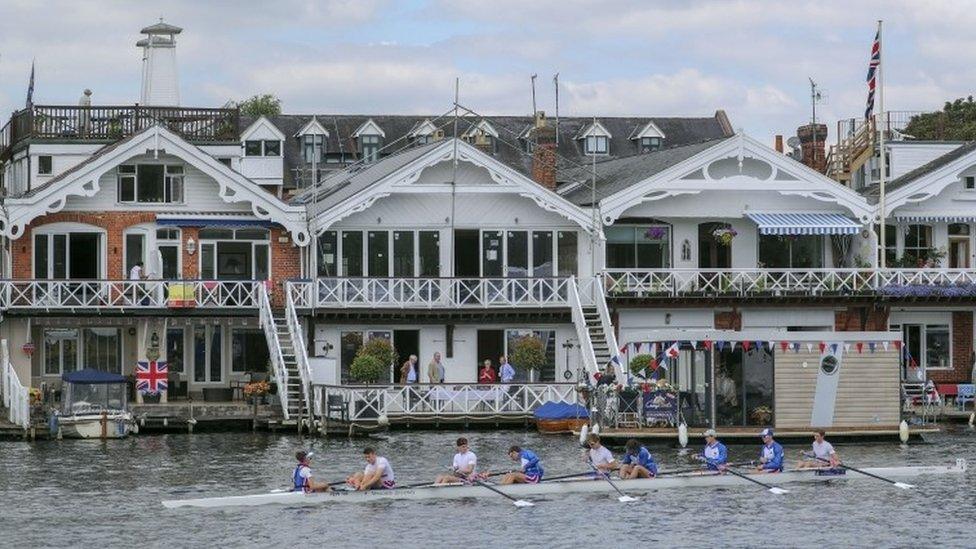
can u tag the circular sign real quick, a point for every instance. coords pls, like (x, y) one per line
(829, 365)
(567, 375)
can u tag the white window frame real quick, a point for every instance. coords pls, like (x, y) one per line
(593, 147)
(172, 173)
(50, 160)
(67, 228)
(79, 349)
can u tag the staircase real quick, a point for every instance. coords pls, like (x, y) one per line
(287, 359)
(597, 341)
(851, 152)
(598, 338)
(294, 390)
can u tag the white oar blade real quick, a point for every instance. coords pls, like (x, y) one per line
(627, 499)
(904, 486)
(523, 503)
(778, 491)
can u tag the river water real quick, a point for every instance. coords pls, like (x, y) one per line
(75, 493)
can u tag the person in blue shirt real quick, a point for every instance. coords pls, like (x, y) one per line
(637, 462)
(715, 455)
(531, 468)
(771, 455)
(302, 476)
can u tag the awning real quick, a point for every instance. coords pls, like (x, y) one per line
(205, 222)
(920, 218)
(804, 223)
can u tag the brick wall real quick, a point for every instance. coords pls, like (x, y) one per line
(961, 332)
(861, 319)
(728, 320)
(286, 263)
(191, 263)
(114, 224)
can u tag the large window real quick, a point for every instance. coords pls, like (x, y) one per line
(369, 147)
(791, 252)
(650, 144)
(103, 349)
(175, 350)
(927, 347)
(918, 244)
(890, 245)
(60, 351)
(235, 254)
(262, 148)
(249, 351)
(327, 247)
(207, 343)
(597, 144)
(566, 253)
(151, 184)
(638, 247)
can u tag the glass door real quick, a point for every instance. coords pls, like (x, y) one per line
(691, 377)
(517, 264)
(207, 355)
(492, 265)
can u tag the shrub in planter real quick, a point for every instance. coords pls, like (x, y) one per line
(640, 365)
(528, 352)
(381, 349)
(368, 369)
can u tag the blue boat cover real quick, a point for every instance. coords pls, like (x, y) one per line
(91, 376)
(560, 410)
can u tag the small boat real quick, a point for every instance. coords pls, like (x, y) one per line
(94, 406)
(560, 417)
(559, 487)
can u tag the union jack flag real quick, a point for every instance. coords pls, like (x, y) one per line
(873, 73)
(151, 377)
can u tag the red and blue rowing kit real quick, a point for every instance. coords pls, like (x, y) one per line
(531, 466)
(642, 458)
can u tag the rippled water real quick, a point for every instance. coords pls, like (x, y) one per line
(93, 494)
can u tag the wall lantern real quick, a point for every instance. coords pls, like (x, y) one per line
(191, 246)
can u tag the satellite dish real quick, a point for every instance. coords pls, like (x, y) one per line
(793, 142)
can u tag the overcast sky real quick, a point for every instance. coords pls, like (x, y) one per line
(649, 58)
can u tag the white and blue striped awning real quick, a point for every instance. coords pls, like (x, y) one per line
(922, 218)
(804, 223)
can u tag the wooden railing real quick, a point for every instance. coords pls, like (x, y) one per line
(785, 282)
(367, 403)
(72, 122)
(128, 294)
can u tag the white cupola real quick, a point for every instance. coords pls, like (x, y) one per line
(160, 81)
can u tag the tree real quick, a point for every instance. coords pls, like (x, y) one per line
(955, 122)
(528, 352)
(261, 105)
(367, 369)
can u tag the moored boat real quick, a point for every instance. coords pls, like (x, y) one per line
(94, 406)
(560, 417)
(557, 487)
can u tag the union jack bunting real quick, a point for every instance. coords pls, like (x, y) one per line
(873, 74)
(151, 377)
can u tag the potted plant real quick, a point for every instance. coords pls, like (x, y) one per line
(761, 415)
(256, 391)
(366, 368)
(528, 352)
(641, 365)
(151, 397)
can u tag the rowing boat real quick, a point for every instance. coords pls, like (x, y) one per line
(555, 487)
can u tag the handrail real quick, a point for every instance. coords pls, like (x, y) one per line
(128, 294)
(599, 297)
(266, 320)
(301, 353)
(16, 397)
(582, 331)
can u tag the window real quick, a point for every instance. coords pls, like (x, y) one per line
(206, 354)
(327, 247)
(566, 253)
(44, 165)
(313, 148)
(369, 147)
(891, 244)
(135, 252)
(429, 253)
(253, 148)
(791, 251)
(597, 144)
(103, 349)
(927, 347)
(352, 253)
(249, 351)
(650, 144)
(969, 182)
(272, 148)
(60, 351)
(174, 350)
(918, 244)
(640, 247)
(225, 161)
(403, 261)
(151, 184)
(937, 347)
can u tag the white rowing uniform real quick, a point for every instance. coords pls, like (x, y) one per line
(823, 450)
(600, 456)
(463, 461)
(384, 464)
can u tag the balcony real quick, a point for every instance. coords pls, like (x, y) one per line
(75, 123)
(118, 295)
(766, 282)
(434, 293)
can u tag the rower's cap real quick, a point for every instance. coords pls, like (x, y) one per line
(710, 433)
(767, 432)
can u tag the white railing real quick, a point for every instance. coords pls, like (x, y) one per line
(430, 293)
(582, 330)
(366, 403)
(300, 350)
(128, 294)
(267, 322)
(601, 306)
(16, 398)
(774, 282)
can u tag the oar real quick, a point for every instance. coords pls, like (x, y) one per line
(624, 498)
(902, 485)
(702, 468)
(774, 489)
(515, 501)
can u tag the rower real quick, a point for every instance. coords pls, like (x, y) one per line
(824, 455)
(302, 477)
(715, 455)
(637, 462)
(771, 455)
(464, 465)
(531, 472)
(377, 474)
(599, 457)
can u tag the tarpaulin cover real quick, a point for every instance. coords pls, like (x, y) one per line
(560, 410)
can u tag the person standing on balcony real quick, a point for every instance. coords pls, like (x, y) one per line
(435, 370)
(408, 372)
(487, 374)
(507, 370)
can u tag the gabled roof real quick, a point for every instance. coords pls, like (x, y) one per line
(873, 192)
(84, 180)
(594, 128)
(649, 130)
(369, 128)
(312, 127)
(262, 125)
(425, 127)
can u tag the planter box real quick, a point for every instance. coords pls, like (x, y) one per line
(218, 394)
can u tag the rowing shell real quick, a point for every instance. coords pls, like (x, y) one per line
(456, 491)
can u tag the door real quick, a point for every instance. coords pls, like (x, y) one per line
(406, 342)
(234, 261)
(491, 346)
(467, 265)
(959, 253)
(207, 354)
(692, 377)
(517, 264)
(712, 252)
(912, 369)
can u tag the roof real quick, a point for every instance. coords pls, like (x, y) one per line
(90, 376)
(615, 175)
(872, 192)
(91, 158)
(161, 28)
(509, 149)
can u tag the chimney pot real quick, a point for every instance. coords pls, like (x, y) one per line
(779, 143)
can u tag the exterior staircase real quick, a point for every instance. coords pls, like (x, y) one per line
(598, 338)
(594, 330)
(296, 406)
(289, 360)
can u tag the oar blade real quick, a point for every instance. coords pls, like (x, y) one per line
(627, 499)
(522, 503)
(778, 491)
(904, 486)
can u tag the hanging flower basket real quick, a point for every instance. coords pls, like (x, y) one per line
(28, 348)
(655, 233)
(724, 235)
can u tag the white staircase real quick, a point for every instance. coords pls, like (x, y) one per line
(284, 362)
(591, 317)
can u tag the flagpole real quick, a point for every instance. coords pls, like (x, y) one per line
(881, 148)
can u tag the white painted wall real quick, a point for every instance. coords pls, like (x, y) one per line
(905, 156)
(634, 324)
(783, 318)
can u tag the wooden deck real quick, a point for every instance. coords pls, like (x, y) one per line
(750, 435)
(190, 415)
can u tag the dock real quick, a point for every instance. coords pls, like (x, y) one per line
(191, 415)
(749, 435)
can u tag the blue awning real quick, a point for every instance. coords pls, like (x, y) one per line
(90, 376)
(234, 223)
(804, 223)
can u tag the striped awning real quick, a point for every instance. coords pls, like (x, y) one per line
(920, 218)
(212, 222)
(804, 223)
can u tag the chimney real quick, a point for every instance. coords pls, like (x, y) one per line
(779, 144)
(544, 153)
(813, 143)
(160, 82)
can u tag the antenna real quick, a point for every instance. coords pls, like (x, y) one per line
(555, 82)
(816, 96)
(533, 95)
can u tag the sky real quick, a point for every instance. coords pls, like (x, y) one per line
(752, 58)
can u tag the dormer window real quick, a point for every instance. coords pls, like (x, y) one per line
(648, 138)
(482, 135)
(262, 148)
(369, 147)
(425, 132)
(313, 148)
(650, 144)
(597, 144)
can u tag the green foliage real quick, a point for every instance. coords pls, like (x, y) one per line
(955, 122)
(381, 349)
(640, 365)
(261, 105)
(527, 352)
(368, 369)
